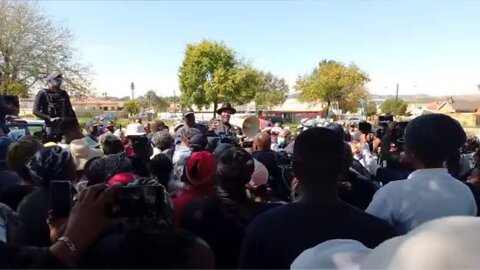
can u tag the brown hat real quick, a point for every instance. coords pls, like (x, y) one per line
(226, 107)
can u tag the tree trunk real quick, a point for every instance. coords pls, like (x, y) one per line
(215, 106)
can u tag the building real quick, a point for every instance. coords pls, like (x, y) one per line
(466, 111)
(82, 107)
(293, 110)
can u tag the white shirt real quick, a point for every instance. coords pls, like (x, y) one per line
(425, 195)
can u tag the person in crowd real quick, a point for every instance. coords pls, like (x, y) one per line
(111, 144)
(222, 125)
(53, 105)
(264, 121)
(161, 168)
(222, 218)
(199, 180)
(263, 153)
(429, 192)
(432, 245)
(284, 138)
(198, 143)
(50, 163)
(71, 130)
(148, 130)
(134, 131)
(318, 216)
(274, 133)
(257, 187)
(188, 123)
(354, 188)
(183, 151)
(86, 223)
(158, 125)
(102, 169)
(458, 166)
(162, 142)
(147, 247)
(221, 147)
(18, 154)
(333, 254)
(82, 153)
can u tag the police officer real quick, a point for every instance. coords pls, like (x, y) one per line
(53, 105)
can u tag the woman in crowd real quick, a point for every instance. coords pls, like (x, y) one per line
(221, 219)
(48, 164)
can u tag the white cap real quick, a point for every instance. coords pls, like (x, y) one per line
(81, 153)
(135, 129)
(332, 254)
(445, 243)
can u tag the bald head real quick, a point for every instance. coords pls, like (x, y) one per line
(262, 142)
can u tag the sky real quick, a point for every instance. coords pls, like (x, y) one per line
(430, 47)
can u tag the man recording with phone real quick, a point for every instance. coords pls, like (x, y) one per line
(53, 105)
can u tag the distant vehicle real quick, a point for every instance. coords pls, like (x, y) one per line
(29, 126)
(106, 116)
(144, 116)
(353, 120)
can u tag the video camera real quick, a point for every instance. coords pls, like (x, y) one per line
(131, 202)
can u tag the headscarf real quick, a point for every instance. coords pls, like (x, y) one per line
(102, 169)
(50, 163)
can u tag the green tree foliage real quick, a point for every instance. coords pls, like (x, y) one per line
(394, 107)
(334, 81)
(371, 108)
(132, 106)
(151, 101)
(32, 46)
(272, 91)
(15, 88)
(210, 73)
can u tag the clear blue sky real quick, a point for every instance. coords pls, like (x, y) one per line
(431, 47)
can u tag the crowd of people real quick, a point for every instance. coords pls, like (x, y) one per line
(392, 197)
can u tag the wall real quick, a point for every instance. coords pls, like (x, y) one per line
(468, 120)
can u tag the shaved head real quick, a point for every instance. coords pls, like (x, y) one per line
(262, 142)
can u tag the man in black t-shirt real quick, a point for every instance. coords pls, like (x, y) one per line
(274, 239)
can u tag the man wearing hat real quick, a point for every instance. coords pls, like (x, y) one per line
(222, 125)
(189, 122)
(53, 105)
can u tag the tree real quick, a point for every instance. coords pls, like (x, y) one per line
(394, 107)
(371, 108)
(210, 73)
(32, 46)
(334, 81)
(132, 106)
(272, 91)
(151, 101)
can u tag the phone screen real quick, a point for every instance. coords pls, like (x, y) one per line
(137, 201)
(61, 192)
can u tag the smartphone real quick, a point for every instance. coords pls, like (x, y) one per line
(62, 198)
(137, 201)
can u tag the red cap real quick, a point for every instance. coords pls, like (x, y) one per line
(200, 168)
(122, 178)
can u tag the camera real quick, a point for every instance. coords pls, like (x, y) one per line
(135, 201)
